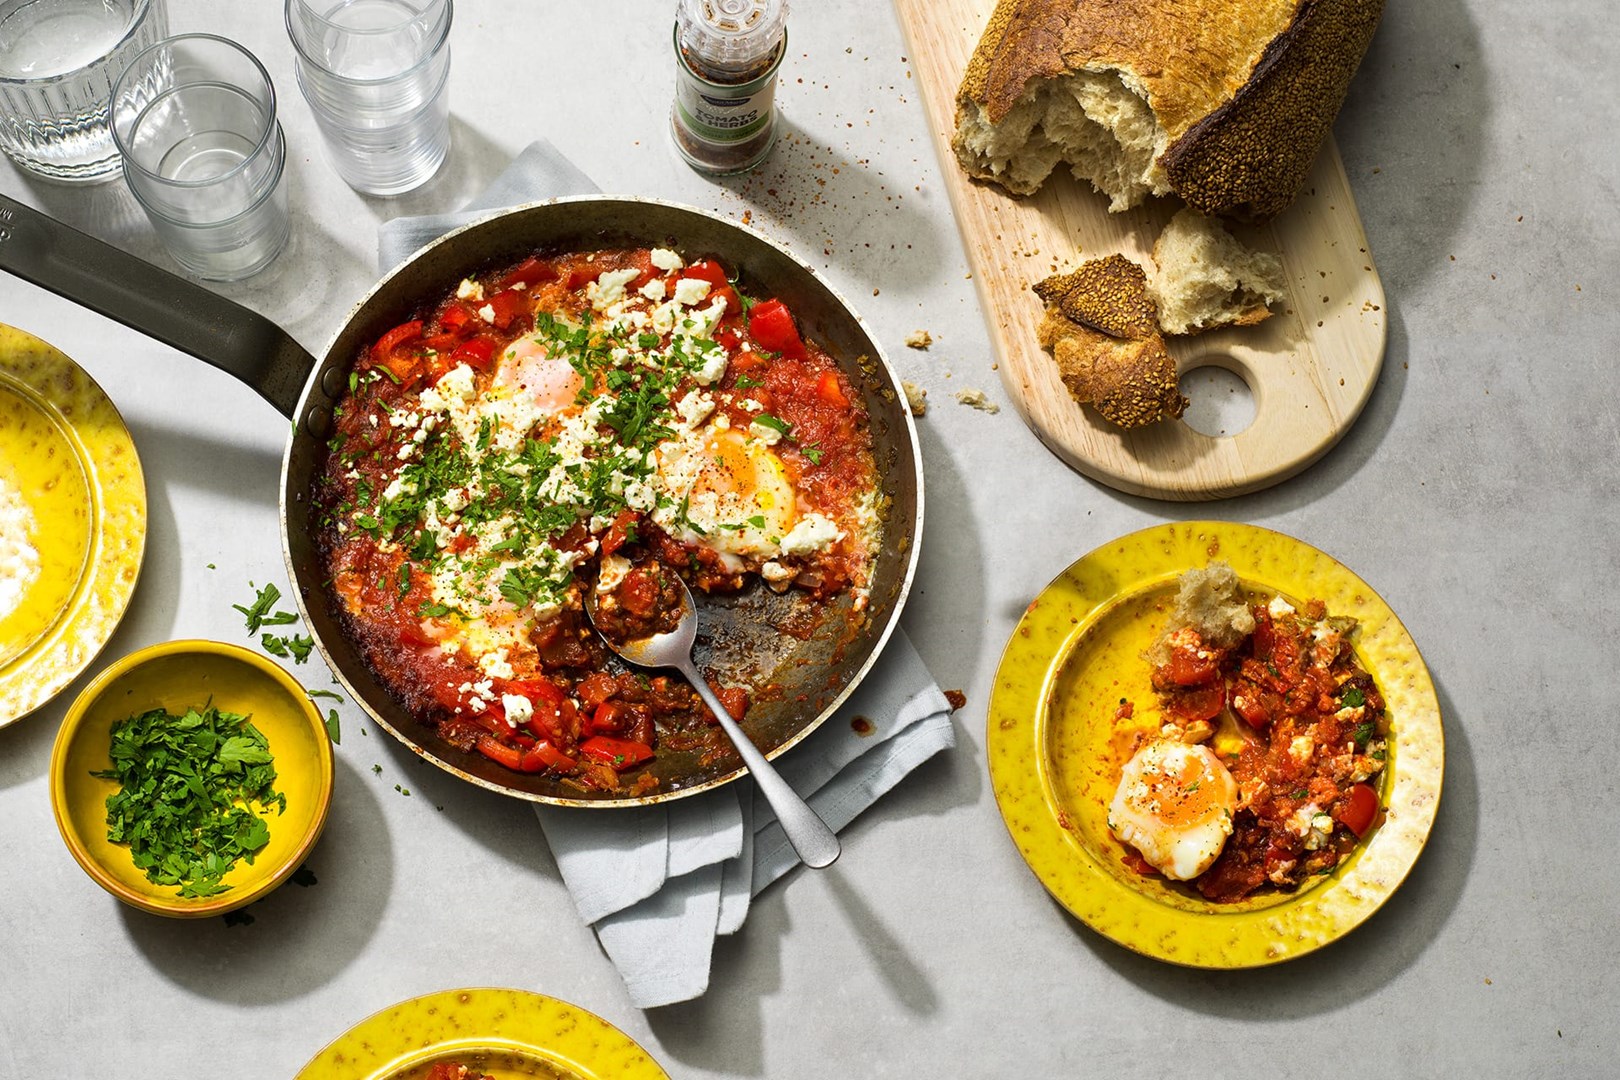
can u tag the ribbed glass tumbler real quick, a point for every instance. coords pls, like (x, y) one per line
(376, 75)
(195, 118)
(58, 61)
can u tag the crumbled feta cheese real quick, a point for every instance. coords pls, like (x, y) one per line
(690, 291)
(519, 709)
(812, 533)
(750, 405)
(487, 313)
(775, 572)
(666, 260)
(714, 367)
(457, 383)
(1301, 748)
(612, 571)
(1321, 829)
(764, 433)
(1279, 607)
(399, 485)
(694, 408)
(655, 290)
(495, 665)
(608, 289)
(469, 290)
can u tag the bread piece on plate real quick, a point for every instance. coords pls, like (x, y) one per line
(1211, 601)
(1222, 102)
(1203, 277)
(1127, 377)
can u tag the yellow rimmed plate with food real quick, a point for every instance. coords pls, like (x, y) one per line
(1215, 745)
(72, 521)
(483, 1033)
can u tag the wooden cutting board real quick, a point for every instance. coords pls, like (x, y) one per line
(1310, 368)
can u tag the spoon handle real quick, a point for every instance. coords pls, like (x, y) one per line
(816, 844)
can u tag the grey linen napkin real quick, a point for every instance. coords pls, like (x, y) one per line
(659, 883)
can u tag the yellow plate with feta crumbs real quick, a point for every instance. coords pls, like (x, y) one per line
(1056, 748)
(506, 1034)
(72, 521)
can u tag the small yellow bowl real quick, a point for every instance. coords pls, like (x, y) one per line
(176, 676)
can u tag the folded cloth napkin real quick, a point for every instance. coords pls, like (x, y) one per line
(658, 883)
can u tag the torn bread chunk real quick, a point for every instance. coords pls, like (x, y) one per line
(1210, 601)
(1204, 277)
(1101, 332)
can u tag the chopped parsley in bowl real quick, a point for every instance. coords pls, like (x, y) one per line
(191, 778)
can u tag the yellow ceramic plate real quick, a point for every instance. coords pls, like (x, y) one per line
(507, 1034)
(176, 676)
(1056, 748)
(72, 521)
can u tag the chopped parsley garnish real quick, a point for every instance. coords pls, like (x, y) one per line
(434, 611)
(748, 382)
(259, 613)
(1352, 698)
(1363, 734)
(334, 727)
(192, 793)
(813, 453)
(297, 647)
(774, 422)
(1300, 794)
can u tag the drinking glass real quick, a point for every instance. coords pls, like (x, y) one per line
(58, 60)
(375, 74)
(195, 118)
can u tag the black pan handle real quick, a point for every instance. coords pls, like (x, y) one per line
(161, 305)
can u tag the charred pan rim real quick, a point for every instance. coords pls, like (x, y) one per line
(320, 389)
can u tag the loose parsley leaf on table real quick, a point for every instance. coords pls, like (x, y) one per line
(193, 790)
(260, 613)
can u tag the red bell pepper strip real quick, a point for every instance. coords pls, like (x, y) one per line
(538, 758)
(619, 753)
(771, 326)
(530, 272)
(477, 353)
(828, 390)
(390, 342)
(1359, 812)
(507, 307)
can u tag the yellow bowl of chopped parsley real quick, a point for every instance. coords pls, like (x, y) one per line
(191, 778)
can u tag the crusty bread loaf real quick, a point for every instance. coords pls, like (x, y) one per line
(1223, 102)
(1203, 277)
(1100, 330)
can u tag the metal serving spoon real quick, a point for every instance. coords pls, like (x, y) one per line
(809, 835)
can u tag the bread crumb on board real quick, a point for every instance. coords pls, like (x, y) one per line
(919, 339)
(916, 397)
(975, 399)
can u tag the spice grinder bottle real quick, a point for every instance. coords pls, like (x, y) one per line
(727, 53)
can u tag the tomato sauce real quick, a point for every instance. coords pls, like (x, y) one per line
(607, 422)
(1314, 735)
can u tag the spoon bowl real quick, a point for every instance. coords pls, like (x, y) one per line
(816, 844)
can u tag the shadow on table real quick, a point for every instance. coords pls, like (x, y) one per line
(1413, 134)
(501, 825)
(301, 937)
(1369, 958)
(820, 201)
(724, 1028)
(474, 161)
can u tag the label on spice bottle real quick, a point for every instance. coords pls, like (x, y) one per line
(725, 113)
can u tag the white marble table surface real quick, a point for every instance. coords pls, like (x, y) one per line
(1477, 493)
